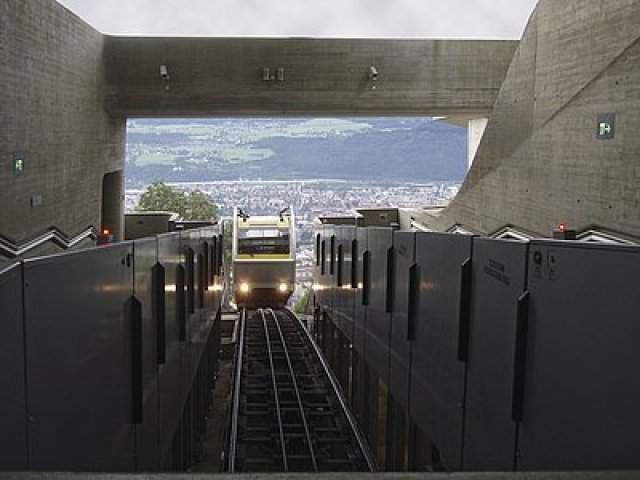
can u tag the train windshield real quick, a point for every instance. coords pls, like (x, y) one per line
(252, 241)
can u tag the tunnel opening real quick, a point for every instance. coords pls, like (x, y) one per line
(111, 220)
(320, 166)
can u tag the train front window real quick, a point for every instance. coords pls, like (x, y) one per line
(256, 241)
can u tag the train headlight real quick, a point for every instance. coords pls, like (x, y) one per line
(283, 287)
(244, 287)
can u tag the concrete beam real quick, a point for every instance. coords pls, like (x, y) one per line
(226, 76)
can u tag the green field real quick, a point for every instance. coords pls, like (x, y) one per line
(244, 154)
(155, 159)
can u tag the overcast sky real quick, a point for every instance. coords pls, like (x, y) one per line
(315, 18)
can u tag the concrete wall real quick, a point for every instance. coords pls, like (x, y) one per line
(52, 104)
(539, 161)
(68, 90)
(224, 76)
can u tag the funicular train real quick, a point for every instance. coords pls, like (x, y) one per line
(264, 263)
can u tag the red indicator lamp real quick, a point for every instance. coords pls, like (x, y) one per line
(105, 237)
(563, 232)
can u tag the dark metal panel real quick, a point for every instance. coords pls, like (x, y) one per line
(320, 269)
(145, 258)
(79, 367)
(330, 277)
(378, 329)
(317, 272)
(347, 293)
(171, 385)
(360, 312)
(400, 351)
(213, 294)
(437, 375)
(317, 275)
(13, 431)
(581, 392)
(338, 276)
(200, 321)
(333, 241)
(338, 293)
(326, 279)
(498, 281)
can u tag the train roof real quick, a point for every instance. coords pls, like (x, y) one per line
(263, 221)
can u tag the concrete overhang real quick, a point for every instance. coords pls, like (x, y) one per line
(204, 76)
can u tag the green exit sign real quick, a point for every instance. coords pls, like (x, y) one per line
(19, 163)
(606, 126)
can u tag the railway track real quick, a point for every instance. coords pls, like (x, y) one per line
(287, 412)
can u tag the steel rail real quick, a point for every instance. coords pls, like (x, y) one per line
(296, 390)
(283, 448)
(235, 409)
(362, 444)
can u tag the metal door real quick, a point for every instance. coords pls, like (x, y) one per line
(437, 372)
(404, 258)
(172, 387)
(345, 313)
(80, 368)
(378, 329)
(153, 351)
(360, 313)
(581, 389)
(13, 434)
(498, 283)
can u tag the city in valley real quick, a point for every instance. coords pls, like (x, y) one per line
(311, 199)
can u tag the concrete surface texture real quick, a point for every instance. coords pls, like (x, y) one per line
(68, 90)
(539, 162)
(226, 76)
(53, 118)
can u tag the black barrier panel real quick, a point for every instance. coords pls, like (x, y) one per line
(171, 385)
(190, 268)
(325, 285)
(145, 258)
(13, 431)
(318, 240)
(581, 392)
(378, 329)
(339, 279)
(158, 310)
(213, 259)
(332, 252)
(80, 365)
(437, 375)
(206, 264)
(219, 270)
(329, 280)
(323, 260)
(360, 310)
(498, 281)
(336, 293)
(200, 321)
(202, 276)
(316, 269)
(404, 248)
